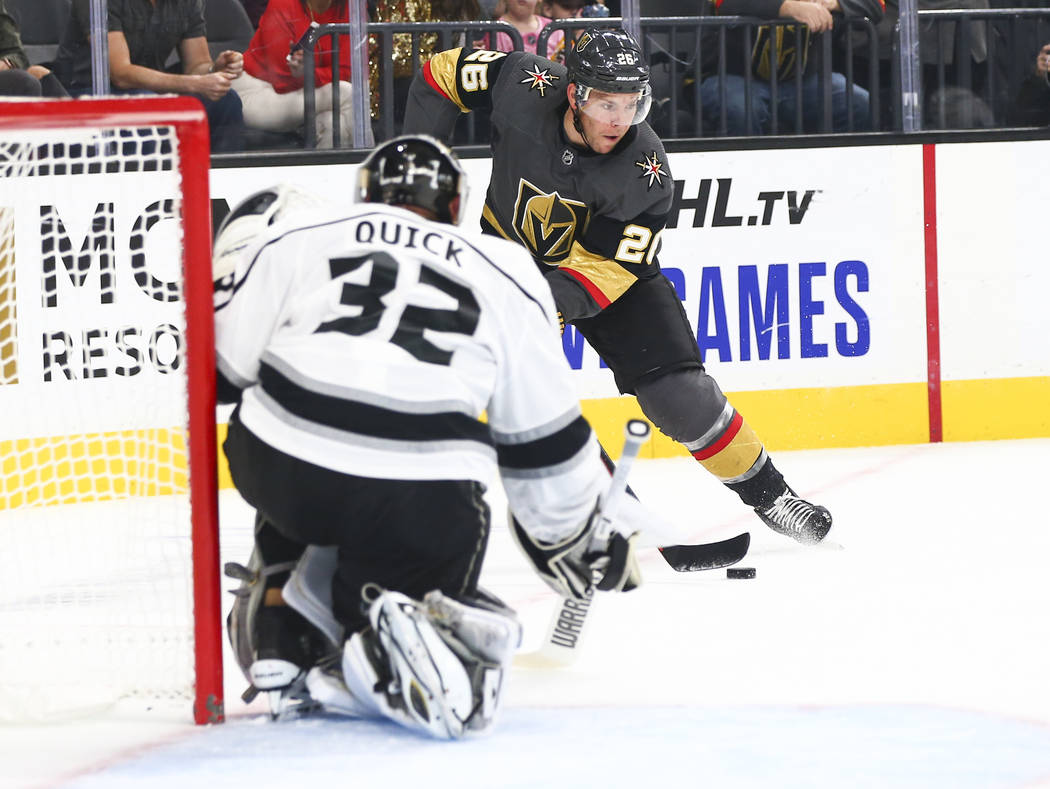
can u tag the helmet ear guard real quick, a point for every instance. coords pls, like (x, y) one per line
(415, 170)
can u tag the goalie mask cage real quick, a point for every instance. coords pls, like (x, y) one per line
(109, 585)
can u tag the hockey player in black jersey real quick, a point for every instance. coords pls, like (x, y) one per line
(582, 182)
(362, 344)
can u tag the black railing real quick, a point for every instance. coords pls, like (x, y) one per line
(385, 126)
(974, 62)
(684, 52)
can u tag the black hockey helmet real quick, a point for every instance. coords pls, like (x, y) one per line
(610, 61)
(415, 170)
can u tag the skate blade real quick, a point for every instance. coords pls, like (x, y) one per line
(291, 702)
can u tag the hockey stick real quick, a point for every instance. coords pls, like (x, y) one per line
(565, 633)
(700, 556)
(635, 433)
(566, 628)
(707, 555)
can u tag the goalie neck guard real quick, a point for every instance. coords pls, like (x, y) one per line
(415, 170)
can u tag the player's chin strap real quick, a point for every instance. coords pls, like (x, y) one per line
(574, 108)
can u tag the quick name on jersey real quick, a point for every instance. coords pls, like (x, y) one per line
(389, 232)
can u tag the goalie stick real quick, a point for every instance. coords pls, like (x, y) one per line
(566, 628)
(565, 633)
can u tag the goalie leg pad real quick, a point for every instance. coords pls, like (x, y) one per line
(402, 670)
(367, 677)
(436, 666)
(485, 633)
(486, 629)
(327, 687)
(432, 683)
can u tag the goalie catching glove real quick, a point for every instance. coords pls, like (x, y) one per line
(583, 560)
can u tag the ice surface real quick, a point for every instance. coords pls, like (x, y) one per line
(911, 649)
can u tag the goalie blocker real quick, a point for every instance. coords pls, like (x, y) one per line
(585, 560)
(600, 553)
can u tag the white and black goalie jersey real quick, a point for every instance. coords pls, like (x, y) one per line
(375, 343)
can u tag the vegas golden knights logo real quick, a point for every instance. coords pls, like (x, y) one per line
(547, 222)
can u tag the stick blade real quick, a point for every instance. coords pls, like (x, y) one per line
(709, 556)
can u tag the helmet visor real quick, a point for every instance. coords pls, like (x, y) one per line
(614, 109)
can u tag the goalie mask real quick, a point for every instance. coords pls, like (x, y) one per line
(251, 217)
(610, 76)
(415, 170)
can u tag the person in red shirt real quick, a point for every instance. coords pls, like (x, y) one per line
(271, 87)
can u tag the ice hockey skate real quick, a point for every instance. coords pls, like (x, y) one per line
(286, 648)
(796, 518)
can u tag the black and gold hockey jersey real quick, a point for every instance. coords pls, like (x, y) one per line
(592, 221)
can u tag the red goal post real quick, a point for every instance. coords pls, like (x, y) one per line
(76, 147)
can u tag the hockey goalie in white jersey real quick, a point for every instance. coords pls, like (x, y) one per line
(384, 366)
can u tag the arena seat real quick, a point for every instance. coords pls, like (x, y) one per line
(41, 24)
(227, 25)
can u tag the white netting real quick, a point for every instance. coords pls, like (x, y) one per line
(95, 571)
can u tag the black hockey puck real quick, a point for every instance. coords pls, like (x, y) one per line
(740, 572)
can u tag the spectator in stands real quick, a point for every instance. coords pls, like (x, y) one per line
(951, 105)
(948, 105)
(521, 14)
(255, 10)
(776, 44)
(955, 107)
(491, 9)
(1032, 107)
(596, 11)
(562, 9)
(401, 11)
(142, 37)
(17, 76)
(271, 87)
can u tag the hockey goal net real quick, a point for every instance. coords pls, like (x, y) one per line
(109, 583)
